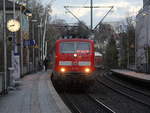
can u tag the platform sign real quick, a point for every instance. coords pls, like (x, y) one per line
(29, 43)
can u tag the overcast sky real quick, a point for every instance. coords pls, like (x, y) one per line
(122, 8)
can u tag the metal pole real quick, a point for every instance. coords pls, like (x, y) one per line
(21, 42)
(5, 45)
(14, 10)
(135, 53)
(91, 14)
(15, 48)
(41, 40)
(33, 47)
(41, 44)
(28, 57)
(28, 51)
(46, 48)
(38, 49)
(147, 45)
(14, 34)
(44, 34)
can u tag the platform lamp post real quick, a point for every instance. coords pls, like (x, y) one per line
(33, 38)
(48, 12)
(39, 42)
(5, 47)
(22, 5)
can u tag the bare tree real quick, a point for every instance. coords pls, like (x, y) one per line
(102, 35)
(127, 43)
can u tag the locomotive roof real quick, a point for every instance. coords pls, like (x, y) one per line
(75, 39)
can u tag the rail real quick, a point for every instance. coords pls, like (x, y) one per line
(100, 104)
(127, 86)
(124, 93)
(72, 105)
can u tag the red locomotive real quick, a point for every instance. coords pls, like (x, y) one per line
(74, 61)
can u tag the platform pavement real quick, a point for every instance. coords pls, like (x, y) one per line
(35, 95)
(132, 74)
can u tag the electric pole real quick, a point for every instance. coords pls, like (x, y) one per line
(5, 45)
(91, 15)
(14, 34)
(44, 34)
(21, 41)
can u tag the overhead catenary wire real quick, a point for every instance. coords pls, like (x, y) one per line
(68, 2)
(83, 5)
(91, 7)
(75, 17)
(77, 11)
(103, 18)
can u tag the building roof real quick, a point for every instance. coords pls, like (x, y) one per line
(9, 5)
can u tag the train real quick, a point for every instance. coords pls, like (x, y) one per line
(74, 61)
(98, 60)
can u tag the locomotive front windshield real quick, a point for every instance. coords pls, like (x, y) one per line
(75, 47)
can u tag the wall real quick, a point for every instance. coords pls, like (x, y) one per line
(142, 38)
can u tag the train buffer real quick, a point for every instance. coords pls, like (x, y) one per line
(36, 94)
(132, 74)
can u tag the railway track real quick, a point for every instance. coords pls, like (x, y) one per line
(71, 105)
(102, 105)
(90, 104)
(131, 93)
(127, 86)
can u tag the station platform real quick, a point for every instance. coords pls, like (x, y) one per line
(36, 94)
(131, 74)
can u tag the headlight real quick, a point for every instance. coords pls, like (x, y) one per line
(75, 55)
(62, 70)
(87, 70)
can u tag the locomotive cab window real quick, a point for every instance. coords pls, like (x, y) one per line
(83, 47)
(67, 47)
(73, 47)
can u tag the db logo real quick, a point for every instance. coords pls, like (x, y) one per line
(75, 63)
